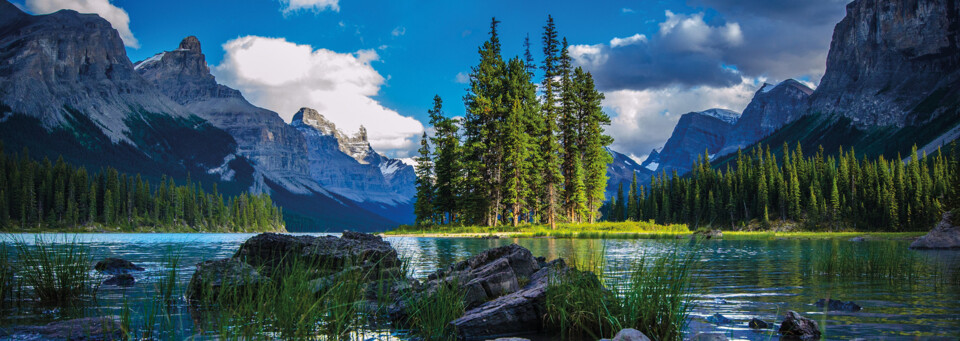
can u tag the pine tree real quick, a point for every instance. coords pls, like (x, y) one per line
(447, 163)
(549, 147)
(423, 206)
(632, 201)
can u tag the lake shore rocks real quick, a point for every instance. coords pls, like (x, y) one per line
(797, 327)
(630, 334)
(837, 305)
(707, 234)
(116, 266)
(213, 276)
(946, 235)
(756, 323)
(488, 275)
(82, 329)
(121, 280)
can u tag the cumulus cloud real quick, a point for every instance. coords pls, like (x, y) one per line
(290, 6)
(284, 76)
(117, 17)
(644, 119)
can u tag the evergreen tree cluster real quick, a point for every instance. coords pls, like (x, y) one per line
(53, 195)
(517, 155)
(822, 192)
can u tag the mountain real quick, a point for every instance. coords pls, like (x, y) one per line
(695, 133)
(348, 166)
(621, 171)
(772, 107)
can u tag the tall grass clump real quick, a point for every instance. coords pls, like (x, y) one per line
(578, 306)
(6, 275)
(430, 313)
(872, 260)
(57, 272)
(657, 296)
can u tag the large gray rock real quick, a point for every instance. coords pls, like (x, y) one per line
(115, 266)
(946, 235)
(490, 274)
(215, 276)
(268, 251)
(796, 327)
(630, 334)
(518, 313)
(83, 329)
(892, 62)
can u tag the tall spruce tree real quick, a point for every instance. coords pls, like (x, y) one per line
(447, 163)
(423, 206)
(549, 147)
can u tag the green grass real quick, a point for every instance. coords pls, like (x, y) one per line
(6, 275)
(883, 260)
(56, 271)
(430, 313)
(544, 230)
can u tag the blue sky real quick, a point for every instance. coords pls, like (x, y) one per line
(671, 57)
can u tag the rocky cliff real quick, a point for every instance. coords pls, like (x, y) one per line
(621, 171)
(278, 150)
(893, 62)
(347, 165)
(696, 133)
(772, 107)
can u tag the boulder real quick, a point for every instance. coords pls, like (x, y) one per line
(837, 305)
(756, 323)
(518, 313)
(490, 274)
(270, 251)
(83, 329)
(116, 266)
(796, 327)
(121, 280)
(946, 235)
(213, 275)
(709, 337)
(630, 334)
(718, 319)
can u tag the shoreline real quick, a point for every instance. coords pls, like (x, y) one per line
(728, 235)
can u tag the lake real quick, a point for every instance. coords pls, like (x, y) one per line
(738, 279)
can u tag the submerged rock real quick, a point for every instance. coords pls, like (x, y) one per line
(756, 323)
(83, 329)
(709, 337)
(116, 266)
(718, 319)
(630, 334)
(121, 280)
(837, 305)
(946, 235)
(797, 327)
(212, 276)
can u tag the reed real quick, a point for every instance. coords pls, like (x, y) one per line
(7, 281)
(58, 272)
(430, 313)
(657, 297)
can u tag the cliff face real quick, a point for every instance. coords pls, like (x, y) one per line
(278, 150)
(696, 133)
(772, 107)
(892, 62)
(348, 166)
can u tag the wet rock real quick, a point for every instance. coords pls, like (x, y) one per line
(630, 334)
(213, 275)
(121, 280)
(490, 274)
(857, 239)
(756, 323)
(709, 337)
(796, 327)
(718, 319)
(83, 329)
(946, 235)
(116, 266)
(270, 251)
(837, 305)
(518, 313)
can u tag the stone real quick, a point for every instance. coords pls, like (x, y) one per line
(837, 305)
(518, 313)
(709, 337)
(756, 323)
(121, 280)
(946, 235)
(718, 319)
(115, 266)
(795, 326)
(490, 274)
(269, 251)
(630, 334)
(213, 275)
(82, 329)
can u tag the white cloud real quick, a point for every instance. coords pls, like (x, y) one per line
(399, 31)
(117, 17)
(462, 78)
(689, 33)
(283, 76)
(627, 10)
(290, 6)
(636, 38)
(644, 119)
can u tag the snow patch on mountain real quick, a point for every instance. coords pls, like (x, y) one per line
(725, 115)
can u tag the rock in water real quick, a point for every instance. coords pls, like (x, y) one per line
(837, 305)
(213, 275)
(490, 274)
(799, 327)
(630, 334)
(116, 266)
(268, 251)
(718, 319)
(756, 323)
(709, 337)
(946, 235)
(83, 329)
(121, 280)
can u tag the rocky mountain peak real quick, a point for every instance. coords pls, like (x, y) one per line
(190, 43)
(357, 146)
(10, 14)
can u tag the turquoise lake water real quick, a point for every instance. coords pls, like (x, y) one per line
(737, 279)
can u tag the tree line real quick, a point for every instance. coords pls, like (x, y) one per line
(54, 195)
(520, 154)
(821, 192)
